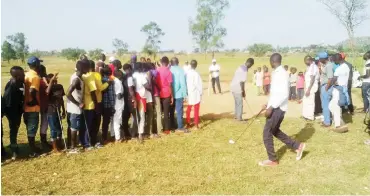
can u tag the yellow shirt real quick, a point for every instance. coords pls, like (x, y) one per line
(89, 83)
(31, 80)
(99, 86)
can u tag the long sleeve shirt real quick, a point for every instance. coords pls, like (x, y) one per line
(179, 83)
(194, 85)
(279, 91)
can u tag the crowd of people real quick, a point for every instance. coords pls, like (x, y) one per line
(102, 96)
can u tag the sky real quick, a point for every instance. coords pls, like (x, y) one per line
(89, 24)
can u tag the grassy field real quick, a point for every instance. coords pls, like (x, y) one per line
(202, 162)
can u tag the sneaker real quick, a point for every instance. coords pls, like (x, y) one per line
(33, 155)
(268, 163)
(155, 136)
(182, 130)
(74, 151)
(98, 146)
(300, 150)
(14, 156)
(88, 148)
(141, 139)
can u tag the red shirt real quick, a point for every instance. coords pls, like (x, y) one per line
(266, 78)
(111, 67)
(164, 81)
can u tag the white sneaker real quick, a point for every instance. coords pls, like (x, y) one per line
(74, 151)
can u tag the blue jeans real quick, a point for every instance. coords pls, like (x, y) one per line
(54, 124)
(31, 119)
(238, 99)
(365, 87)
(325, 99)
(178, 105)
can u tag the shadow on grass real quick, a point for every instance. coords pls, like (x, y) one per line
(23, 153)
(347, 118)
(302, 136)
(210, 118)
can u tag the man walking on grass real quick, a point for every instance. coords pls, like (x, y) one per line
(275, 110)
(214, 70)
(238, 87)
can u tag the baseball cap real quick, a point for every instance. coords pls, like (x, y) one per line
(213, 60)
(111, 59)
(323, 55)
(317, 58)
(33, 60)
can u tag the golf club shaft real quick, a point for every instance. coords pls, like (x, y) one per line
(61, 127)
(254, 118)
(250, 109)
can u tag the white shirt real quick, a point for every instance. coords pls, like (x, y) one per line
(259, 78)
(186, 68)
(366, 68)
(215, 69)
(342, 72)
(194, 86)
(77, 95)
(140, 80)
(118, 89)
(312, 70)
(279, 91)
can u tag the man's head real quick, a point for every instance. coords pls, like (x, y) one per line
(275, 60)
(117, 64)
(142, 59)
(99, 65)
(265, 69)
(249, 63)
(83, 57)
(343, 55)
(366, 56)
(134, 59)
(51, 76)
(106, 71)
(214, 61)
(17, 73)
(337, 59)
(111, 59)
(286, 67)
(102, 57)
(34, 62)
(174, 61)
(255, 71)
(293, 70)
(259, 69)
(323, 57)
(127, 68)
(148, 60)
(308, 60)
(186, 62)
(82, 66)
(41, 70)
(193, 64)
(165, 61)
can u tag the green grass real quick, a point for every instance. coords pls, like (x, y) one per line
(202, 162)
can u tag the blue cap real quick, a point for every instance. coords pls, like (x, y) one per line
(323, 55)
(317, 58)
(33, 60)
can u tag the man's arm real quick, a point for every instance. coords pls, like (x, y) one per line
(99, 84)
(242, 86)
(51, 83)
(71, 88)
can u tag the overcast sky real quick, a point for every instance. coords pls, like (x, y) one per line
(88, 24)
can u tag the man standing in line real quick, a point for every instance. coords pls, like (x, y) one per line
(214, 70)
(349, 86)
(186, 67)
(238, 87)
(195, 90)
(327, 74)
(275, 110)
(311, 86)
(164, 82)
(179, 93)
(130, 103)
(32, 103)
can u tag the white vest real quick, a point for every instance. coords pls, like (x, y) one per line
(77, 95)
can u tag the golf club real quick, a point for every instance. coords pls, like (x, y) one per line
(61, 127)
(231, 141)
(250, 109)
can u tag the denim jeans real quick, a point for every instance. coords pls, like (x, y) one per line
(365, 87)
(31, 119)
(325, 99)
(238, 105)
(179, 107)
(54, 124)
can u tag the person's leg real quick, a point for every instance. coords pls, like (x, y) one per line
(125, 118)
(43, 130)
(158, 113)
(14, 123)
(213, 85)
(141, 119)
(76, 125)
(97, 120)
(179, 111)
(335, 108)
(188, 111)
(276, 131)
(309, 104)
(69, 136)
(52, 118)
(166, 107)
(107, 114)
(325, 105)
(218, 84)
(3, 151)
(294, 92)
(365, 98)
(117, 119)
(149, 118)
(318, 106)
(134, 123)
(31, 120)
(350, 106)
(238, 106)
(90, 114)
(268, 88)
(196, 114)
(172, 115)
(290, 93)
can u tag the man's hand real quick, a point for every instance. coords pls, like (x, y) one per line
(243, 94)
(97, 109)
(81, 105)
(308, 92)
(268, 112)
(264, 107)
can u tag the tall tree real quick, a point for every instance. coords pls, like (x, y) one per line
(95, 54)
(350, 13)
(7, 51)
(72, 54)
(260, 49)
(206, 28)
(121, 46)
(154, 33)
(19, 43)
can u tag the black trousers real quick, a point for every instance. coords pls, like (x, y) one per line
(318, 107)
(107, 115)
(272, 128)
(216, 80)
(350, 107)
(126, 114)
(166, 103)
(14, 119)
(292, 93)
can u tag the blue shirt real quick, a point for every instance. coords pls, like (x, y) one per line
(179, 83)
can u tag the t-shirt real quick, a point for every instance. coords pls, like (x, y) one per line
(215, 70)
(293, 79)
(31, 80)
(89, 82)
(164, 81)
(140, 80)
(259, 78)
(240, 75)
(327, 72)
(13, 97)
(300, 81)
(342, 72)
(266, 78)
(55, 98)
(179, 83)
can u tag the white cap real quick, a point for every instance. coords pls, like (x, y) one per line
(111, 59)
(213, 60)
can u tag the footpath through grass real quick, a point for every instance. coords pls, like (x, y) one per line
(203, 162)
